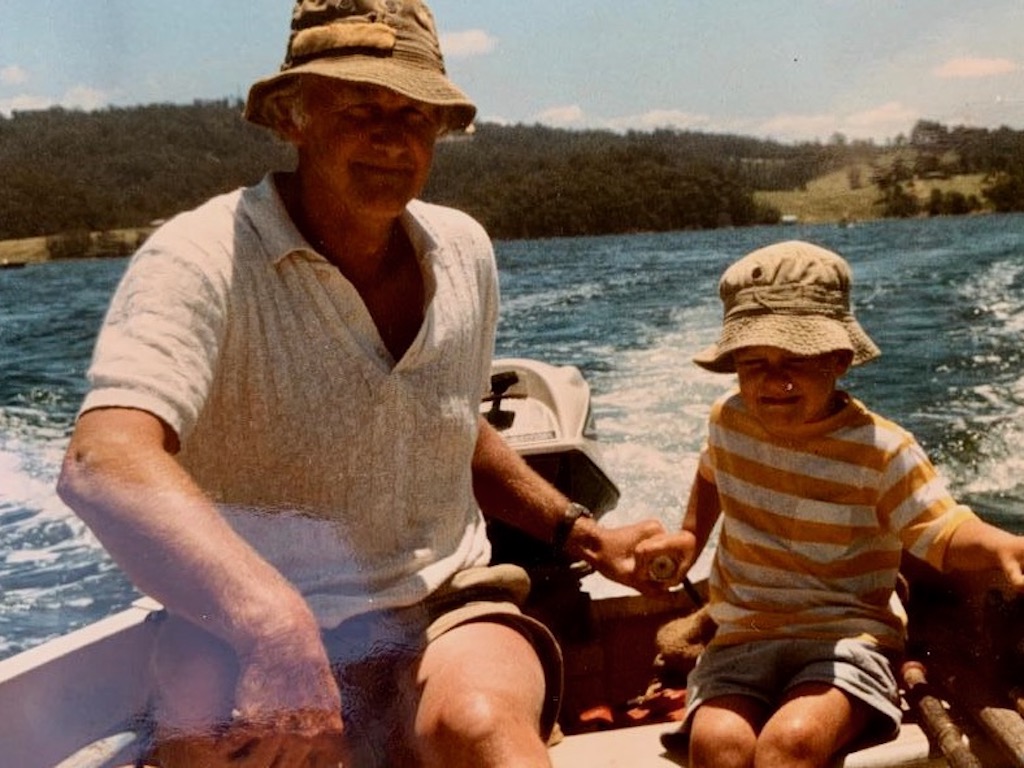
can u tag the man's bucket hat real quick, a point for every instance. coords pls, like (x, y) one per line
(791, 295)
(388, 43)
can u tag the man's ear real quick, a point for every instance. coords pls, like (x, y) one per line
(284, 112)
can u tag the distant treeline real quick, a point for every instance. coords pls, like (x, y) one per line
(68, 171)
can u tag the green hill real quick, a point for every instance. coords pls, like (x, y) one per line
(93, 182)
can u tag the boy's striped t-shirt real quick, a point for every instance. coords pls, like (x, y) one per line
(813, 527)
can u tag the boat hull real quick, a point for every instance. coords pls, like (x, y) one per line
(91, 684)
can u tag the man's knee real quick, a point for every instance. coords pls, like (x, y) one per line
(478, 728)
(478, 718)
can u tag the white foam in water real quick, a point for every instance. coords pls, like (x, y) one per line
(994, 411)
(996, 291)
(28, 477)
(651, 412)
(21, 487)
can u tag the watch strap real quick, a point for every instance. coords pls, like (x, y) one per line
(572, 513)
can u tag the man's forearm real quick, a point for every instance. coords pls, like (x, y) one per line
(508, 489)
(171, 541)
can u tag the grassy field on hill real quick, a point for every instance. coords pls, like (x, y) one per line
(32, 250)
(26, 251)
(831, 198)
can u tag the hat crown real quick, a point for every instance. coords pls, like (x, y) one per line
(792, 277)
(400, 28)
(391, 44)
(792, 295)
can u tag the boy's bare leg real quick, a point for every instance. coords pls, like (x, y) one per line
(814, 722)
(724, 731)
(483, 692)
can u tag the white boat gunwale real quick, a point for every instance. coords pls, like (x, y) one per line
(53, 703)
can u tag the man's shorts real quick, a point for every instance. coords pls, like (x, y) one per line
(374, 655)
(765, 670)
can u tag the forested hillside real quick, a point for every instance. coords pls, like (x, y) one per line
(67, 171)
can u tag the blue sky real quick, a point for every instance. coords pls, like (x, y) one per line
(791, 70)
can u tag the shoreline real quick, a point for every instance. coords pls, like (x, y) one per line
(827, 200)
(74, 245)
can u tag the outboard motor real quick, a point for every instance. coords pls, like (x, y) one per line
(500, 384)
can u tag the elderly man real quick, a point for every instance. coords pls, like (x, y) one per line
(282, 443)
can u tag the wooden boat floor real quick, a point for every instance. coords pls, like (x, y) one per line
(640, 747)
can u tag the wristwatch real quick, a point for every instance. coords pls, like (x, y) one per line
(572, 513)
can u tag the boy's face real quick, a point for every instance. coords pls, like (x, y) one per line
(784, 391)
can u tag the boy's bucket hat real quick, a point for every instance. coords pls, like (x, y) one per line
(791, 295)
(389, 43)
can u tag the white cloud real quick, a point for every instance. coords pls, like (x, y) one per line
(468, 43)
(23, 103)
(80, 97)
(13, 75)
(573, 116)
(884, 121)
(970, 68)
(562, 117)
(790, 127)
(661, 118)
(84, 97)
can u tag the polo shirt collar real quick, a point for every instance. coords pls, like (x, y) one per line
(281, 238)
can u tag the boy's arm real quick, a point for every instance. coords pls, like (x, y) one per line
(702, 511)
(978, 546)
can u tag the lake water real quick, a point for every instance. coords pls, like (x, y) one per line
(943, 298)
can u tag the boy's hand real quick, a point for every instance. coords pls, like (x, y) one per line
(664, 559)
(1011, 559)
(979, 546)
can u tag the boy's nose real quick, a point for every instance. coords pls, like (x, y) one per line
(779, 380)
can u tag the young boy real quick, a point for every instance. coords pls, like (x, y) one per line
(819, 498)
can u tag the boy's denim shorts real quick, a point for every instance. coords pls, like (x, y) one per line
(765, 670)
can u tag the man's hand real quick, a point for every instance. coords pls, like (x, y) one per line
(287, 712)
(296, 739)
(288, 706)
(635, 554)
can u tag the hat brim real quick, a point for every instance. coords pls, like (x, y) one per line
(426, 86)
(804, 335)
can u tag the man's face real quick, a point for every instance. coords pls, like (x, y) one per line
(785, 391)
(367, 147)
